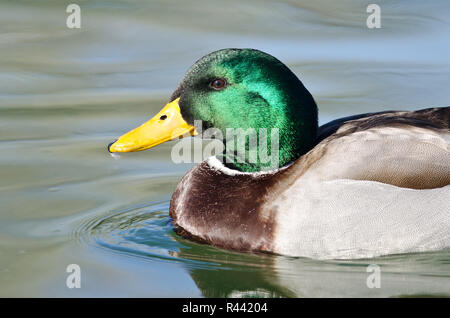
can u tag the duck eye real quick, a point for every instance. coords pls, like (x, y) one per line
(218, 83)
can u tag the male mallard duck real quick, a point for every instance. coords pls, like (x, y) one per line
(360, 186)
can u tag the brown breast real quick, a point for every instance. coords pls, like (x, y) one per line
(223, 210)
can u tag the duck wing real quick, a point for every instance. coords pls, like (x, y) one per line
(377, 184)
(406, 149)
(434, 117)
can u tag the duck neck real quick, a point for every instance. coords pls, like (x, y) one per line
(274, 145)
(270, 150)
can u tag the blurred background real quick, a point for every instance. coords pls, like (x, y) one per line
(66, 93)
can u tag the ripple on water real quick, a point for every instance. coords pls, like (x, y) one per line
(146, 231)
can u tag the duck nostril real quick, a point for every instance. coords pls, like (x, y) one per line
(163, 117)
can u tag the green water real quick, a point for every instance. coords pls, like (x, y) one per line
(65, 94)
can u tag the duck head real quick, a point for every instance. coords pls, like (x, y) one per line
(236, 89)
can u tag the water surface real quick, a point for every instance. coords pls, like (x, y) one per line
(65, 94)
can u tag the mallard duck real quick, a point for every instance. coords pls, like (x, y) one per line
(360, 186)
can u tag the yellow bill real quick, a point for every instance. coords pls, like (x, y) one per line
(167, 125)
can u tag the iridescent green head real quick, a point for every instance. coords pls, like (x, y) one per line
(273, 115)
(247, 88)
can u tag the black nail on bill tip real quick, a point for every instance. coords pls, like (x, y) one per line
(109, 145)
